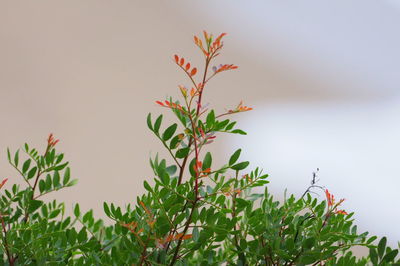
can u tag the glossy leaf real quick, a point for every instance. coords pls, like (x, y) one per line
(240, 166)
(182, 153)
(235, 157)
(169, 132)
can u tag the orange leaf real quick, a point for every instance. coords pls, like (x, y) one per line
(208, 170)
(145, 208)
(193, 72)
(176, 58)
(182, 61)
(218, 40)
(169, 238)
(178, 236)
(206, 36)
(185, 237)
(187, 66)
(160, 103)
(341, 212)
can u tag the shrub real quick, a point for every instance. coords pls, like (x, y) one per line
(194, 213)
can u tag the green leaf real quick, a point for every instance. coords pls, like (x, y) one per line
(182, 153)
(82, 235)
(179, 218)
(67, 176)
(106, 208)
(207, 161)
(221, 125)
(371, 239)
(42, 185)
(309, 243)
(26, 165)
(171, 170)
(9, 155)
(195, 233)
(54, 214)
(175, 142)
(240, 166)
(373, 256)
(149, 122)
(77, 210)
(239, 131)
(48, 182)
(60, 167)
(230, 126)
(32, 172)
(72, 183)
(147, 186)
(16, 158)
(381, 246)
(308, 259)
(191, 167)
(241, 203)
(235, 157)
(34, 205)
(59, 158)
(210, 119)
(157, 124)
(169, 132)
(389, 257)
(56, 179)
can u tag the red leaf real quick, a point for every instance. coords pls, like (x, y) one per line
(176, 58)
(160, 103)
(187, 66)
(182, 61)
(3, 182)
(193, 72)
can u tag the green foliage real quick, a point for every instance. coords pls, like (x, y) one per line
(193, 212)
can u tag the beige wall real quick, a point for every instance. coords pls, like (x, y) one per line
(90, 71)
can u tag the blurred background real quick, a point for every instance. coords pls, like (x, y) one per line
(322, 77)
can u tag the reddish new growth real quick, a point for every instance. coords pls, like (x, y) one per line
(161, 243)
(181, 61)
(211, 48)
(240, 108)
(332, 205)
(3, 182)
(132, 227)
(225, 67)
(51, 142)
(171, 105)
(198, 169)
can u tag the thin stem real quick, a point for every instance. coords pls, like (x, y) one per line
(143, 255)
(9, 257)
(23, 176)
(169, 150)
(183, 233)
(202, 86)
